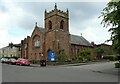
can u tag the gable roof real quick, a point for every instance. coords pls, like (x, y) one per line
(79, 40)
(74, 39)
(42, 29)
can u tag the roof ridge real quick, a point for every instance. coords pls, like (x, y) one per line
(76, 39)
(75, 35)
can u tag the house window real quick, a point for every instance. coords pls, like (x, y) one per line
(61, 24)
(50, 25)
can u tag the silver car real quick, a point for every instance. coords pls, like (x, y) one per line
(4, 60)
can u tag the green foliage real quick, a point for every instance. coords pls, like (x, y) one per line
(15, 57)
(110, 57)
(117, 65)
(100, 50)
(10, 57)
(6, 57)
(47, 59)
(93, 59)
(85, 53)
(33, 62)
(111, 18)
(84, 56)
(62, 57)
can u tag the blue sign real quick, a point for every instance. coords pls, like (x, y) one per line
(51, 56)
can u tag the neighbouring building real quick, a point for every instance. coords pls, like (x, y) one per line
(55, 36)
(11, 50)
(107, 50)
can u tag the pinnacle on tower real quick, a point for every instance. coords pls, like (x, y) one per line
(55, 6)
(81, 34)
(36, 24)
(67, 11)
(45, 11)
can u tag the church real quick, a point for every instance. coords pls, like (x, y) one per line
(54, 36)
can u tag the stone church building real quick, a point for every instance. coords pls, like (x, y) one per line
(55, 36)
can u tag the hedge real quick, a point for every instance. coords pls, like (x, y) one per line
(117, 65)
(111, 57)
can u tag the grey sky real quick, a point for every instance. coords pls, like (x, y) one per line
(18, 19)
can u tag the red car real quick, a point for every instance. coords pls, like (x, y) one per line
(22, 61)
(12, 61)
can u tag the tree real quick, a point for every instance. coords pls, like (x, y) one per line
(85, 54)
(99, 52)
(111, 18)
(62, 56)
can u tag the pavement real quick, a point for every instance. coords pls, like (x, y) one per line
(74, 64)
(111, 70)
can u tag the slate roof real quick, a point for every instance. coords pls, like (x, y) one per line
(79, 40)
(42, 29)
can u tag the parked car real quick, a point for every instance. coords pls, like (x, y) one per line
(22, 61)
(4, 60)
(12, 61)
(18, 61)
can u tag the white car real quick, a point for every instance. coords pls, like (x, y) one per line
(4, 60)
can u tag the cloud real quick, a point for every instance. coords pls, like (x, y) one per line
(18, 19)
(13, 23)
(93, 31)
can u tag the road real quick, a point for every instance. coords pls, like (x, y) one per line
(99, 72)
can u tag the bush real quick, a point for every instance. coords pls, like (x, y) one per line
(15, 57)
(93, 59)
(33, 62)
(6, 57)
(111, 57)
(117, 65)
(84, 59)
(62, 58)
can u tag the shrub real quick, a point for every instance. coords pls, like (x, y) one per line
(6, 57)
(94, 59)
(62, 57)
(15, 57)
(85, 53)
(110, 57)
(33, 62)
(117, 65)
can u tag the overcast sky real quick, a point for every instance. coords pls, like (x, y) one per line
(17, 19)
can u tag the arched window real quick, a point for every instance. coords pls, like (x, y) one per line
(62, 24)
(36, 41)
(50, 25)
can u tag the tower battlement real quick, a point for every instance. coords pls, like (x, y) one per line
(56, 11)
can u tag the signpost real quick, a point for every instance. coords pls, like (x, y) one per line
(51, 56)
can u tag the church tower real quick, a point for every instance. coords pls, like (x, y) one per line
(57, 37)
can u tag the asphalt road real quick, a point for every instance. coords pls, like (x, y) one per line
(100, 72)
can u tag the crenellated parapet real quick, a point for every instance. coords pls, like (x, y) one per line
(56, 11)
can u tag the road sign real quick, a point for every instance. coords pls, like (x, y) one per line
(51, 56)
